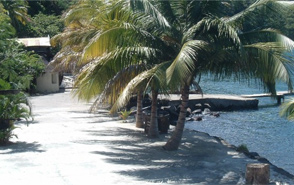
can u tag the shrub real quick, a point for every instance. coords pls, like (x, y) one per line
(125, 114)
(242, 148)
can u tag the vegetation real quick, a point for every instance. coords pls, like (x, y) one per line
(242, 148)
(13, 107)
(157, 46)
(125, 114)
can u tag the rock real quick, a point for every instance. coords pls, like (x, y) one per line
(215, 114)
(197, 111)
(198, 118)
(206, 111)
(189, 119)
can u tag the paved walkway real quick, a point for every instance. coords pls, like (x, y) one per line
(68, 146)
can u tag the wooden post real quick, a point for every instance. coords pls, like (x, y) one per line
(279, 99)
(257, 173)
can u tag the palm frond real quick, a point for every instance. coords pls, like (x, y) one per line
(148, 8)
(83, 12)
(255, 10)
(210, 27)
(102, 69)
(118, 37)
(115, 86)
(270, 64)
(153, 77)
(287, 109)
(185, 63)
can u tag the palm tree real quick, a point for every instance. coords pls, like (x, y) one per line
(206, 41)
(105, 37)
(255, 53)
(149, 78)
(194, 36)
(81, 25)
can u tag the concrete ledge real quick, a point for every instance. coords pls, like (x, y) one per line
(218, 102)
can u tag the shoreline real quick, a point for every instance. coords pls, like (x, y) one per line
(251, 155)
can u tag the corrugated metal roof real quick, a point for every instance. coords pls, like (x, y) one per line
(38, 41)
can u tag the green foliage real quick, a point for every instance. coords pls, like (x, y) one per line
(287, 109)
(125, 114)
(17, 11)
(42, 25)
(47, 24)
(6, 29)
(242, 148)
(15, 106)
(12, 107)
(19, 67)
(49, 7)
(6, 135)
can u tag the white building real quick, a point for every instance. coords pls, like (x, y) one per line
(48, 82)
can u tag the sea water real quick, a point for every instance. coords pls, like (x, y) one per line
(262, 130)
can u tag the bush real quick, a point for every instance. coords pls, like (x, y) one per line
(242, 148)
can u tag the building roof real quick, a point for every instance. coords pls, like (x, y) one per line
(38, 41)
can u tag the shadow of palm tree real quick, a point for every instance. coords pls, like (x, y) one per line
(194, 162)
(20, 147)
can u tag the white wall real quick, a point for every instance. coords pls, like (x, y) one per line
(48, 83)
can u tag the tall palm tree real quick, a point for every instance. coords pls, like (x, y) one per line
(108, 55)
(205, 40)
(195, 36)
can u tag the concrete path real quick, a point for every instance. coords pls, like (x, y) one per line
(65, 145)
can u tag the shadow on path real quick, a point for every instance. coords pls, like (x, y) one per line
(20, 147)
(196, 161)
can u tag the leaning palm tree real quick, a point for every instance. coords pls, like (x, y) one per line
(195, 36)
(206, 41)
(120, 44)
(152, 79)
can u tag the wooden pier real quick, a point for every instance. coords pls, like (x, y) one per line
(279, 96)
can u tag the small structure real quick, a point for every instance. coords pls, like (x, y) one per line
(257, 173)
(48, 82)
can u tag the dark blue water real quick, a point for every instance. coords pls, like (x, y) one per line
(262, 130)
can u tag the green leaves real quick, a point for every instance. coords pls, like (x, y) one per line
(287, 109)
(15, 106)
(19, 67)
(185, 64)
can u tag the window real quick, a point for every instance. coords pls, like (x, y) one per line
(54, 78)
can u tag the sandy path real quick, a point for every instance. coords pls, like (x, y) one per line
(68, 146)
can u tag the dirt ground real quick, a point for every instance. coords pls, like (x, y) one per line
(66, 145)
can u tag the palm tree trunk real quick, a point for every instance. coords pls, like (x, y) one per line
(153, 130)
(139, 116)
(174, 142)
